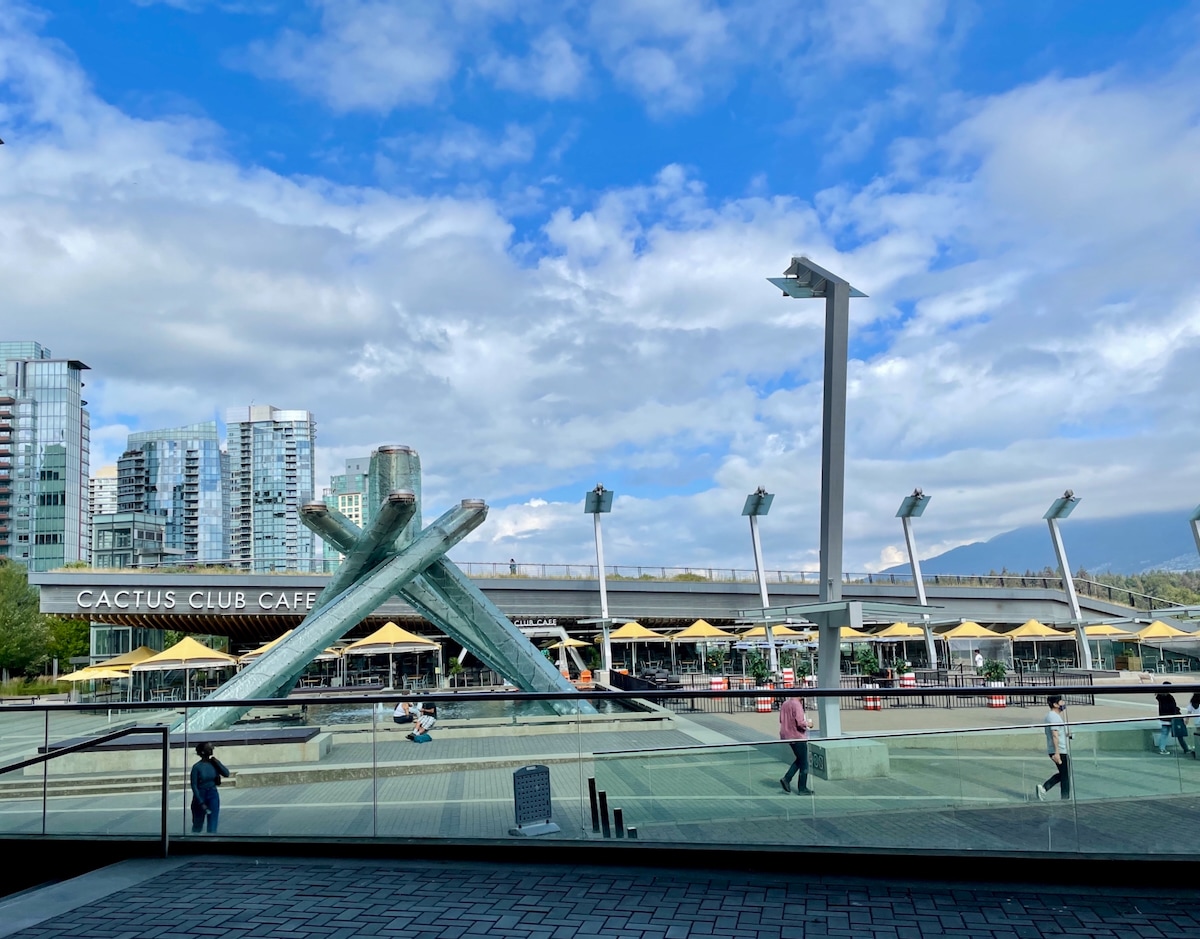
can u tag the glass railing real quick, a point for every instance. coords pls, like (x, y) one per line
(667, 767)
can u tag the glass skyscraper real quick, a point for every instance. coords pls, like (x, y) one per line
(349, 493)
(176, 474)
(271, 474)
(44, 450)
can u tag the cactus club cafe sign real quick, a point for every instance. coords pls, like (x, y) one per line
(209, 601)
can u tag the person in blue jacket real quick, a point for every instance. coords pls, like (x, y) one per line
(206, 799)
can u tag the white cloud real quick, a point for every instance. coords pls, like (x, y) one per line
(1032, 322)
(553, 69)
(462, 145)
(370, 55)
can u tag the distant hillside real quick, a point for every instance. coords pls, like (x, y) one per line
(1128, 545)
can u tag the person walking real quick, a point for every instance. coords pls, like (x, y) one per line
(1057, 748)
(206, 799)
(1191, 714)
(978, 662)
(793, 727)
(1173, 724)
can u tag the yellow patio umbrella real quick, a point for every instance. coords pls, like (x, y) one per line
(972, 630)
(777, 632)
(94, 673)
(140, 654)
(1106, 631)
(389, 639)
(249, 656)
(850, 634)
(1100, 631)
(702, 631)
(1158, 630)
(187, 654)
(633, 632)
(900, 631)
(1031, 631)
(569, 643)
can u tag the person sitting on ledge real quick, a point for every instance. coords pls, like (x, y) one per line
(424, 724)
(406, 713)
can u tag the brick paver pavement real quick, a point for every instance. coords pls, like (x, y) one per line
(298, 899)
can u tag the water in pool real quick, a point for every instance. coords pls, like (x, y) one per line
(348, 713)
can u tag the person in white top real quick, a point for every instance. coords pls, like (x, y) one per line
(1191, 714)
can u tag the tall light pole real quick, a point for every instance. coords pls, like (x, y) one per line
(1060, 509)
(596, 502)
(914, 507)
(759, 503)
(1194, 518)
(803, 280)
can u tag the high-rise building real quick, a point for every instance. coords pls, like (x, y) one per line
(271, 475)
(102, 491)
(176, 474)
(348, 492)
(44, 449)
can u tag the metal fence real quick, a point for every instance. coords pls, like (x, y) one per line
(934, 689)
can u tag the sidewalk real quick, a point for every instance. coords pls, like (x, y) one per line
(298, 899)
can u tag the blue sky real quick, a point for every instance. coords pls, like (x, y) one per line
(530, 239)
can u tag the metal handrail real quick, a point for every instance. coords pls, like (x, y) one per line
(163, 731)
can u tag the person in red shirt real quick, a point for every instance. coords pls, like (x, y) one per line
(793, 727)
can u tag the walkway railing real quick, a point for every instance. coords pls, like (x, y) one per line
(684, 767)
(494, 570)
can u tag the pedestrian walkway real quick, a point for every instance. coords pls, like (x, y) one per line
(274, 898)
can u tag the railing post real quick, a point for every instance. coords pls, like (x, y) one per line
(166, 789)
(45, 767)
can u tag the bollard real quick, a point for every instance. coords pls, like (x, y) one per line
(619, 822)
(789, 677)
(908, 680)
(595, 805)
(604, 825)
(633, 834)
(872, 702)
(763, 704)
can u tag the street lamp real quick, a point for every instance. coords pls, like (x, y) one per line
(596, 502)
(1060, 509)
(759, 503)
(914, 507)
(803, 280)
(1194, 518)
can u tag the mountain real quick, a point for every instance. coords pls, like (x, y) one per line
(1128, 545)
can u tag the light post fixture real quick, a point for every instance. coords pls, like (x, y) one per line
(1060, 509)
(804, 280)
(914, 507)
(759, 503)
(596, 502)
(1194, 518)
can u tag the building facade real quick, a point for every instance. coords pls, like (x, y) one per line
(177, 475)
(102, 491)
(271, 475)
(44, 452)
(349, 493)
(130, 539)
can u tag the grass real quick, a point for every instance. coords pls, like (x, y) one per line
(20, 688)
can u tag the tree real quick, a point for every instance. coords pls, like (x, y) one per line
(23, 633)
(68, 638)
